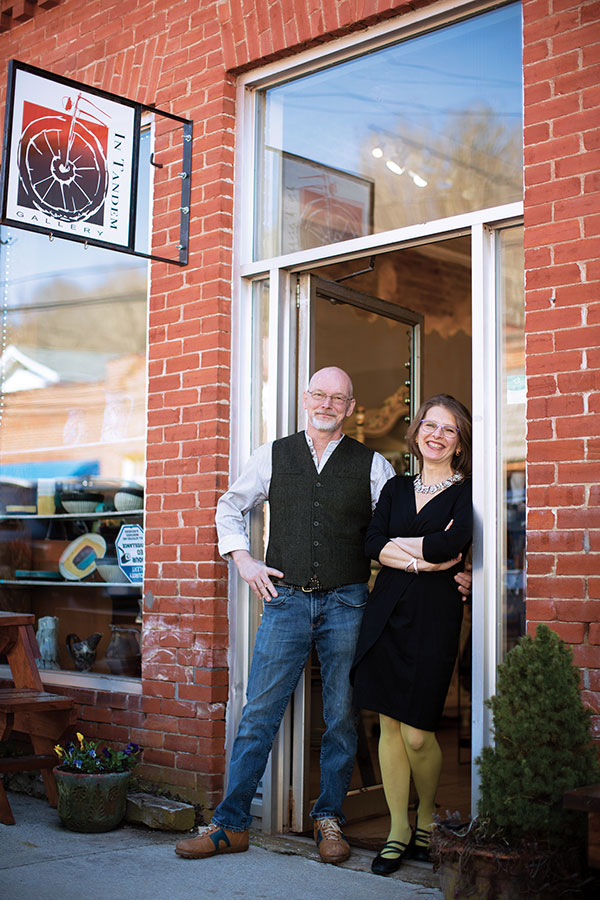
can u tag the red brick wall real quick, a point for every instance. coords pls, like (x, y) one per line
(562, 277)
(179, 56)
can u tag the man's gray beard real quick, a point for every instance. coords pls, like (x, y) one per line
(320, 425)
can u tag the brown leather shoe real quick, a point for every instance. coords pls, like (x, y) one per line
(333, 847)
(213, 839)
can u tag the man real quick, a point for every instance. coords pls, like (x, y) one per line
(322, 487)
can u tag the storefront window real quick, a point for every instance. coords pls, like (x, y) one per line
(72, 447)
(426, 128)
(512, 436)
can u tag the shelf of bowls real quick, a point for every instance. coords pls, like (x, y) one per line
(69, 531)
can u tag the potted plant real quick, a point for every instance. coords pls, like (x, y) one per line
(523, 844)
(92, 784)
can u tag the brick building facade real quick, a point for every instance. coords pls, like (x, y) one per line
(187, 58)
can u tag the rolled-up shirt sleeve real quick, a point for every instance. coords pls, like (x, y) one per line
(381, 472)
(444, 545)
(247, 491)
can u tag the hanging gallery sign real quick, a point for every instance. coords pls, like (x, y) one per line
(71, 161)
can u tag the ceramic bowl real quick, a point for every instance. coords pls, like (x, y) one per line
(109, 570)
(80, 501)
(129, 499)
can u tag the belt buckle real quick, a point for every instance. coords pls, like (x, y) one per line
(313, 585)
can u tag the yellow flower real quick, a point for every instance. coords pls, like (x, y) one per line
(59, 751)
(80, 739)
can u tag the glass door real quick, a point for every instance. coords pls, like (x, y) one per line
(379, 344)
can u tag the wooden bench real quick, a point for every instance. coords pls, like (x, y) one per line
(587, 799)
(28, 708)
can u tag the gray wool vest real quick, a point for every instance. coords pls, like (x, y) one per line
(319, 520)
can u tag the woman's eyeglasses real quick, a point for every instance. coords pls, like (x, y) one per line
(430, 427)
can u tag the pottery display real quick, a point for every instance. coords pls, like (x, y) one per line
(123, 655)
(47, 638)
(79, 557)
(83, 652)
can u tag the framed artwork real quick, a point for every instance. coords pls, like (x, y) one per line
(322, 205)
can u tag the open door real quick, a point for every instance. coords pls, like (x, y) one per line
(379, 344)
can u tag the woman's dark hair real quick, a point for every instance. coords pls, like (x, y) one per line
(462, 462)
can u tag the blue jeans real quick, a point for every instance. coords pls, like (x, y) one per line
(291, 623)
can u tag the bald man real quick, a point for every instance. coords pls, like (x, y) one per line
(322, 487)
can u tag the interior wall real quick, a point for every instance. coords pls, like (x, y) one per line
(434, 280)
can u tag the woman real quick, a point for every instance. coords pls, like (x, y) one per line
(409, 638)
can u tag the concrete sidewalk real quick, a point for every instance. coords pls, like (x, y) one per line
(42, 860)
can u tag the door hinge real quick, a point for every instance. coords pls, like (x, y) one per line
(297, 293)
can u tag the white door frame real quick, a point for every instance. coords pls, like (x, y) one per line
(483, 225)
(273, 805)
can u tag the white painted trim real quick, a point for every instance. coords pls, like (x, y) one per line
(401, 27)
(485, 492)
(239, 606)
(385, 241)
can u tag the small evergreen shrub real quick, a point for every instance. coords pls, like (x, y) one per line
(542, 743)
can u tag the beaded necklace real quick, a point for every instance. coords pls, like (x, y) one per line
(421, 488)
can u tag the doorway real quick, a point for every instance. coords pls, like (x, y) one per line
(400, 324)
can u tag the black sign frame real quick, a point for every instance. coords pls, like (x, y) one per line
(70, 169)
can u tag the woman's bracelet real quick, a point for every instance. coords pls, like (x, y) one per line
(413, 564)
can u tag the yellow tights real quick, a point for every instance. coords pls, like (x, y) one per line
(403, 751)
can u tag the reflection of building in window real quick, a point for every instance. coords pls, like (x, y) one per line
(60, 402)
(73, 364)
(513, 431)
(423, 123)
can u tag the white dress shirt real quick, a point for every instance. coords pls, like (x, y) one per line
(252, 488)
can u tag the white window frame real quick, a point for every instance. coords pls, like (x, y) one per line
(482, 225)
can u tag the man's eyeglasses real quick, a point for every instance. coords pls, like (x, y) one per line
(336, 399)
(430, 427)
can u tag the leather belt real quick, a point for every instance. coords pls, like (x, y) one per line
(313, 585)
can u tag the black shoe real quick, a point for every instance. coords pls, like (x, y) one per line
(385, 865)
(420, 851)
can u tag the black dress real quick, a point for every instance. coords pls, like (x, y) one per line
(409, 637)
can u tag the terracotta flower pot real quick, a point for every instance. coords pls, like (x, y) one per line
(91, 802)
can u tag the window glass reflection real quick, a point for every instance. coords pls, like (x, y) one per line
(72, 445)
(261, 413)
(73, 361)
(512, 435)
(427, 128)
